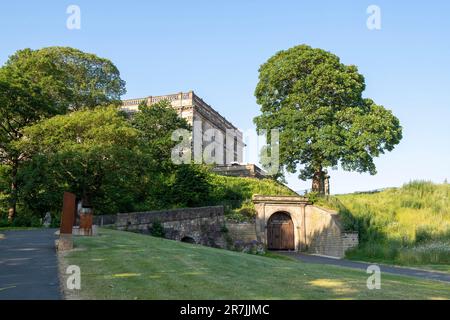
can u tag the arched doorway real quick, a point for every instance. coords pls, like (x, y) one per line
(188, 240)
(280, 232)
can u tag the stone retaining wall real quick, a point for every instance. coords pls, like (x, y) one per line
(317, 230)
(325, 234)
(245, 232)
(198, 225)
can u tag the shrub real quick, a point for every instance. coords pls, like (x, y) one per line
(4, 223)
(423, 234)
(191, 187)
(27, 220)
(56, 220)
(157, 230)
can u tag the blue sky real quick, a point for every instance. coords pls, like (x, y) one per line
(215, 48)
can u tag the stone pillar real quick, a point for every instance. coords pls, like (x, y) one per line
(260, 223)
(303, 238)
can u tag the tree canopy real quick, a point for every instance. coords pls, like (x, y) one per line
(36, 84)
(92, 153)
(70, 78)
(317, 104)
(120, 162)
(156, 124)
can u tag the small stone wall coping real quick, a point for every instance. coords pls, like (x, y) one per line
(280, 199)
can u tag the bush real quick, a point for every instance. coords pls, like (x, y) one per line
(56, 220)
(423, 234)
(235, 194)
(26, 220)
(4, 223)
(157, 230)
(191, 186)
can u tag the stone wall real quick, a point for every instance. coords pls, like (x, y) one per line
(324, 232)
(198, 225)
(245, 232)
(316, 230)
(241, 170)
(349, 240)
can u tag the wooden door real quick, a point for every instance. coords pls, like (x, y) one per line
(280, 232)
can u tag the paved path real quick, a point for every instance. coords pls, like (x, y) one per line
(441, 276)
(28, 265)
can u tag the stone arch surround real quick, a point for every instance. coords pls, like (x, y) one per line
(266, 206)
(316, 230)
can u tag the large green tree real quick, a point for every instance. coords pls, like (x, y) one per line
(36, 84)
(122, 163)
(156, 123)
(21, 104)
(71, 78)
(93, 153)
(317, 104)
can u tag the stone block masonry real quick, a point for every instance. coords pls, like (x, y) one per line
(312, 229)
(202, 225)
(315, 230)
(203, 119)
(245, 232)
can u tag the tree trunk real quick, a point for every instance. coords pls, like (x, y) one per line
(13, 192)
(318, 182)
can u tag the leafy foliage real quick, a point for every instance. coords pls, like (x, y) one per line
(316, 103)
(70, 78)
(235, 194)
(191, 186)
(156, 124)
(37, 84)
(117, 161)
(86, 152)
(157, 230)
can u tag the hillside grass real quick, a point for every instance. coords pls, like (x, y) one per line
(406, 226)
(122, 265)
(235, 193)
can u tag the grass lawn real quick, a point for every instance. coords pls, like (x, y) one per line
(122, 265)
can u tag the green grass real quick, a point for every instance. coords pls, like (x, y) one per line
(404, 226)
(235, 193)
(121, 265)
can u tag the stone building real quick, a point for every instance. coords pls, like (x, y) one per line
(214, 138)
(241, 170)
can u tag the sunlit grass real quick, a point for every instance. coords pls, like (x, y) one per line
(121, 265)
(408, 225)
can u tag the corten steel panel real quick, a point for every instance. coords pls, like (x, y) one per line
(68, 214)
(86, 223)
